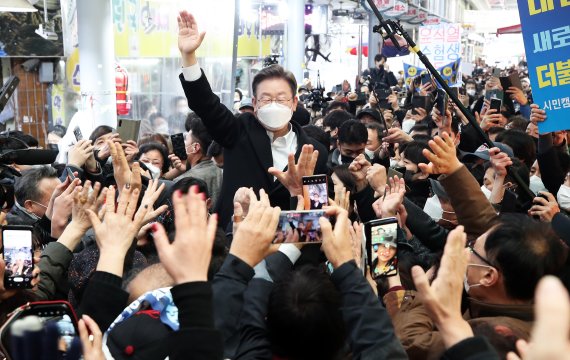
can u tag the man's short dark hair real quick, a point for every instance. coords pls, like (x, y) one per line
(524, 250)
(379, 128)
(421, 128)
(522, 144)
(143, 149)
(336, 118)
(58, 130)
(199, 132)
(379, 57)
(318, 134)
(413, 151)
(304, 320)
(26, 187)
(352, 132)
(185, 183)
(336, 105)
(274, 72)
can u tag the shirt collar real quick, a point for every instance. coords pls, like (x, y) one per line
(288, 137)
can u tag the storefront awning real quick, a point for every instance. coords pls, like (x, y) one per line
(514, 29)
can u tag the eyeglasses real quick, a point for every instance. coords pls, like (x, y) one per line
(267, 100)
(479, 256)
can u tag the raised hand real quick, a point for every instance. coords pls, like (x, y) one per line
(124, 176)
(537, 114)
(393, 197)
(341, 198)
(56, 193)
(253, 239)
(177, 163)
(79, 153)
(518, 95)
(549, 337)
(131, 150)
(499, 161)
(91, 339)
(397, 135)
(62, 208)
(337, 243)
(187, 259)
(442, 299)
(151, 194)
(545, 209)
(443, 157)
(83, 201)
(377, 178)
(189, 37)
(359, 168)
(116, 229)
(491, 119)
(292, 179)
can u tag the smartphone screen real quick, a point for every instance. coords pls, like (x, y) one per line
(78, 134)
(56, 313)
(178, 146)
(315, 192)
(18, 255)
(496, 104)
(70, 173)
(382, 247)
(442, 101)
(418, 101)
(299, 227)
(426, 78)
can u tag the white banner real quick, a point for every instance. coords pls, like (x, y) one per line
(441, 43)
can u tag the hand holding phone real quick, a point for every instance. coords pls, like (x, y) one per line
(178, 146)
(78, 134)
(299, 227)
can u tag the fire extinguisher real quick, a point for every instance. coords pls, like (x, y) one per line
(122, 86)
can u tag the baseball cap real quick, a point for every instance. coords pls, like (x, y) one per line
(245, 102)
(370, 112)
(483, 152)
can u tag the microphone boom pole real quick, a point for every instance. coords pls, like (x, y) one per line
(388, 29)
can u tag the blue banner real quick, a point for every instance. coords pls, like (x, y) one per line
(450, 73)
(410, 72)
(546, 34)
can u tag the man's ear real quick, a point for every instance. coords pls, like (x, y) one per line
(208, 203)
(491, 277)
(28, 204)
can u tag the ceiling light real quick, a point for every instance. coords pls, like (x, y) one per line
(16, 6)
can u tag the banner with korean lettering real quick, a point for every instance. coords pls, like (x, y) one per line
(441, 43)
(410, 72)
(450, 73)
(546, 34)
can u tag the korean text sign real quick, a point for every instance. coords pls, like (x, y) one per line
(546, 34)
(441, 43)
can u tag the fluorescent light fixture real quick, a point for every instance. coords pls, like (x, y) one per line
(16, 6)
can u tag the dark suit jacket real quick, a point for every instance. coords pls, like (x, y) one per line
(247, 148)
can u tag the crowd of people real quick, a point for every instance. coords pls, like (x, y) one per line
(165, 257)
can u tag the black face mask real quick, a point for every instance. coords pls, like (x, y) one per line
(346, 159)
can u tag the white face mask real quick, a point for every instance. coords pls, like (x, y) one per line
(162, 129)
(466, 285)
(274, 116)
(407, 125)
(471, 92)
(154, 171)
(369, 153)
(563, 197)
(393, 163)
(536, 185)
(433, 208)
(486, 191)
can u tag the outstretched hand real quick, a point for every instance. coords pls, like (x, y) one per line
(292, 179)
(337, 243)
(189, 37)
(443, 157)
(442, 299)
(187, 259)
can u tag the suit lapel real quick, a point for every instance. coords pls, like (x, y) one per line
(260, 142)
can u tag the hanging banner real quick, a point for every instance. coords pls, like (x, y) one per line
(441, 43)
(400, 7)
(410, 72)
(546, 36)
(450, 73)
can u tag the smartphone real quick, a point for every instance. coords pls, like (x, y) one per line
(58, 314)
(178, 146)
(315, 192)
(496, 104)
(425, 78)
(70, 173)
(128, 129)
(382, 247)
(442, 101)
(494, 93)
(511, 80)
(419, 101)
(299, 227)
(18, 254)
(77, 133)
(383, 93)
(496, 72)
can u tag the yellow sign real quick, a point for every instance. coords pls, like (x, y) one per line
(72, 71)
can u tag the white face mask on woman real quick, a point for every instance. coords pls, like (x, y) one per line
(486, 191)
(563, 197)
(274, 116)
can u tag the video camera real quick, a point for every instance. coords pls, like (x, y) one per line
(270, 60)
